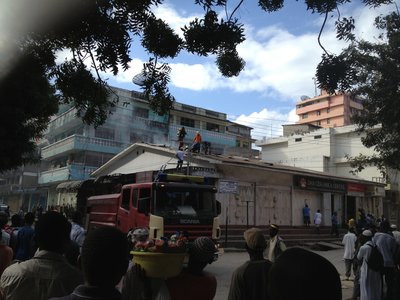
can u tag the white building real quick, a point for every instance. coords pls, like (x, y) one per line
(259, 193)
(326, 150)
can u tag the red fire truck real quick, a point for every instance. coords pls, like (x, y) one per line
(165, 205)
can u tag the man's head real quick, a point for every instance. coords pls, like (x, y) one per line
(297, 269)
(29, 218)
(201, 253)
(16, 220)
(255, 240)
(76, 217)
(3, 219)
(52, 232)
(104, 257)
(367, 235)
(384, 226)
(273, 230)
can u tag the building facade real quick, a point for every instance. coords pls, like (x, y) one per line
(253, 192)
(327, 110)
(327, 150)
(71, 150)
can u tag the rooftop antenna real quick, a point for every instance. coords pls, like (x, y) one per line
(315, 86)
(139, 78)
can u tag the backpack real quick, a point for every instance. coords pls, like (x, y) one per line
(375, 260)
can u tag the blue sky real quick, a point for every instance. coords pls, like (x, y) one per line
(281, 53)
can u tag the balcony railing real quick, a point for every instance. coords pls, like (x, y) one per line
(70, 172)
(79, 142)
(209, 136)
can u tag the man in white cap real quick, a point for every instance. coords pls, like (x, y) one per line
(396, 233)
(370, 281)
(275, 244)
(250, 280)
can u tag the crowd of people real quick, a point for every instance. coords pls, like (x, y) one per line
(51, 257)
(380, 280)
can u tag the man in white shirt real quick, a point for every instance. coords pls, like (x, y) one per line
(387, 246)
(349, 242)
(318, 219)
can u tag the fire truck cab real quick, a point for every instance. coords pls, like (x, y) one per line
(166, 205)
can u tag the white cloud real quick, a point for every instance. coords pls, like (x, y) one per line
(275, 59)
(175, 19)
(278, 62)
(266, 123)
(195, 77)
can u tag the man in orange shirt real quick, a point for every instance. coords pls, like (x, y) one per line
(196, 142)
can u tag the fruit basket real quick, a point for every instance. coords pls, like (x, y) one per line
(160, 258)
(159, 265)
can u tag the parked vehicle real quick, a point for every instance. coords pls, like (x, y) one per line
(165, 205)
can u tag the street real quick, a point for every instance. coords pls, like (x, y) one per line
(229, 261)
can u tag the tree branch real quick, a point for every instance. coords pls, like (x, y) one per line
(236, 8)
(93, 61)
(320, 32)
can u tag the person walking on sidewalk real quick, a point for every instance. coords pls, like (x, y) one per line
(318, 220)
(370, 281)
(349, 242)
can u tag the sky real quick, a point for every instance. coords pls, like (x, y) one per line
(281, 53)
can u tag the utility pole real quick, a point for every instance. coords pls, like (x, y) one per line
(315, 86)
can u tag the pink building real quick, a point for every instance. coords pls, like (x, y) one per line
(328, 110)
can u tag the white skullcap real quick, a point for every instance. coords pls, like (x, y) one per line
(367, 233)
(393, 226)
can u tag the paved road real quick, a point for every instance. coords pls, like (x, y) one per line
(228, 262)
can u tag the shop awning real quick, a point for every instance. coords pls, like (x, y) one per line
(72, 185)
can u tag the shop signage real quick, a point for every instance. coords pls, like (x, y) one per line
(319, 184)
(378, 191)
(356, 187)
(226, 186)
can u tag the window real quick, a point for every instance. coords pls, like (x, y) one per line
(126, 196)
(141, 112)
(104, 133)
(317, 137)
(187, 122)
(318, 112)
(318, 123)
(328, 110)
(298, 139)
(212, 113)
(212, 127)
(189, 108)
(134, 197)
(305, 116)
(328, 121)
(145, 193)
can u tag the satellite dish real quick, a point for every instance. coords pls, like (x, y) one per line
(139, 78)
(304, 97)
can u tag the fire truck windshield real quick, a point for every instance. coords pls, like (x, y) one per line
(190, 203)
